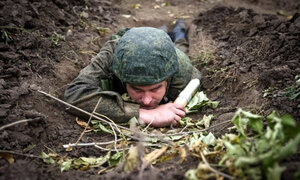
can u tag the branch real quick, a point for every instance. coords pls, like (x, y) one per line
(87, 124)
(116, 138)
(105, 149)
(214, 170)
(18, 122)
(89, 144)
(81, 110)
(17, 153)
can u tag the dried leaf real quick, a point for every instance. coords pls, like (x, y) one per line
(103, 31)
(132, 160)
(156, 7)
(207, 120)
(8, 157)
(82, 123)
(149, 158)
(183, 154)
(136, 6)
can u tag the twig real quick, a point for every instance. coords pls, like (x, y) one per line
(220, 130)
(148, 125)
(18, 122)
(105, 149)
(99, 144)
(191, 132)
(81, 110)
(116, 138)
(101, 115)
(87, 124)
(89, 144)
(183, 128)
(214, 170)
(17, 153)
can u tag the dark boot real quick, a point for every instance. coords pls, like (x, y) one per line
(178, 31)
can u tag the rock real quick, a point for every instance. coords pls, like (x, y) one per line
(33, 114)
(35, 87)
(3, 113)
(2, 82)
(85, 15)
(69, 33)
(9, 56)
(5, 106)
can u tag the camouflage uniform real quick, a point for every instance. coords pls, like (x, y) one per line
(99, 80)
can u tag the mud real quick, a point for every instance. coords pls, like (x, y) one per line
(253, 51)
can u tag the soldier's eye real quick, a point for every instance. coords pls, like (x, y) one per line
(137, 90)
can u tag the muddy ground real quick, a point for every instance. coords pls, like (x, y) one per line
(248, 52)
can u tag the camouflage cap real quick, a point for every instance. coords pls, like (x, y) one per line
(144, 56)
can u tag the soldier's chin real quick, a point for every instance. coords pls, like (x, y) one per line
(148, 107)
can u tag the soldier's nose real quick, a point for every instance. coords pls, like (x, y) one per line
(146, 100)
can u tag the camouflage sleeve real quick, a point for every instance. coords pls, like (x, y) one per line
(185, 73)
(91, 85)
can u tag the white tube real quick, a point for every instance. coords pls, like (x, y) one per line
(185, 96)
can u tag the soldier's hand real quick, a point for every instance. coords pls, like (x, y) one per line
(162, 115)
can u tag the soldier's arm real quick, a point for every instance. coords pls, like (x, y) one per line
(88, 87)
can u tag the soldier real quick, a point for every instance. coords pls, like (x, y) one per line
(144, 63)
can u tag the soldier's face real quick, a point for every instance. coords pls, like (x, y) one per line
(148, 96)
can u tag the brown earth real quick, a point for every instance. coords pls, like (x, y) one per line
(245, 50)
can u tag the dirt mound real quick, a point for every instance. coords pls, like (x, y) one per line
(40, 43)
(36, 36)
(255, 51)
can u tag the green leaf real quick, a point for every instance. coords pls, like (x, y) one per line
(262, 145)
(243, 161)
(191, 174)
(46, 158)
(66, 165)
(116, 158)
(288, 120)
(186, 121)
(103, 128)
(289, 149)
(193, 101)
(175, 138)
(256, 125)
(214, 104)
(235, 150)
(273, 118)
(88, 160)
(274, 173)
(239, 122)
(209, 139)
(253, 173)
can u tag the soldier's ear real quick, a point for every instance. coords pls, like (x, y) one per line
(168, 83)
